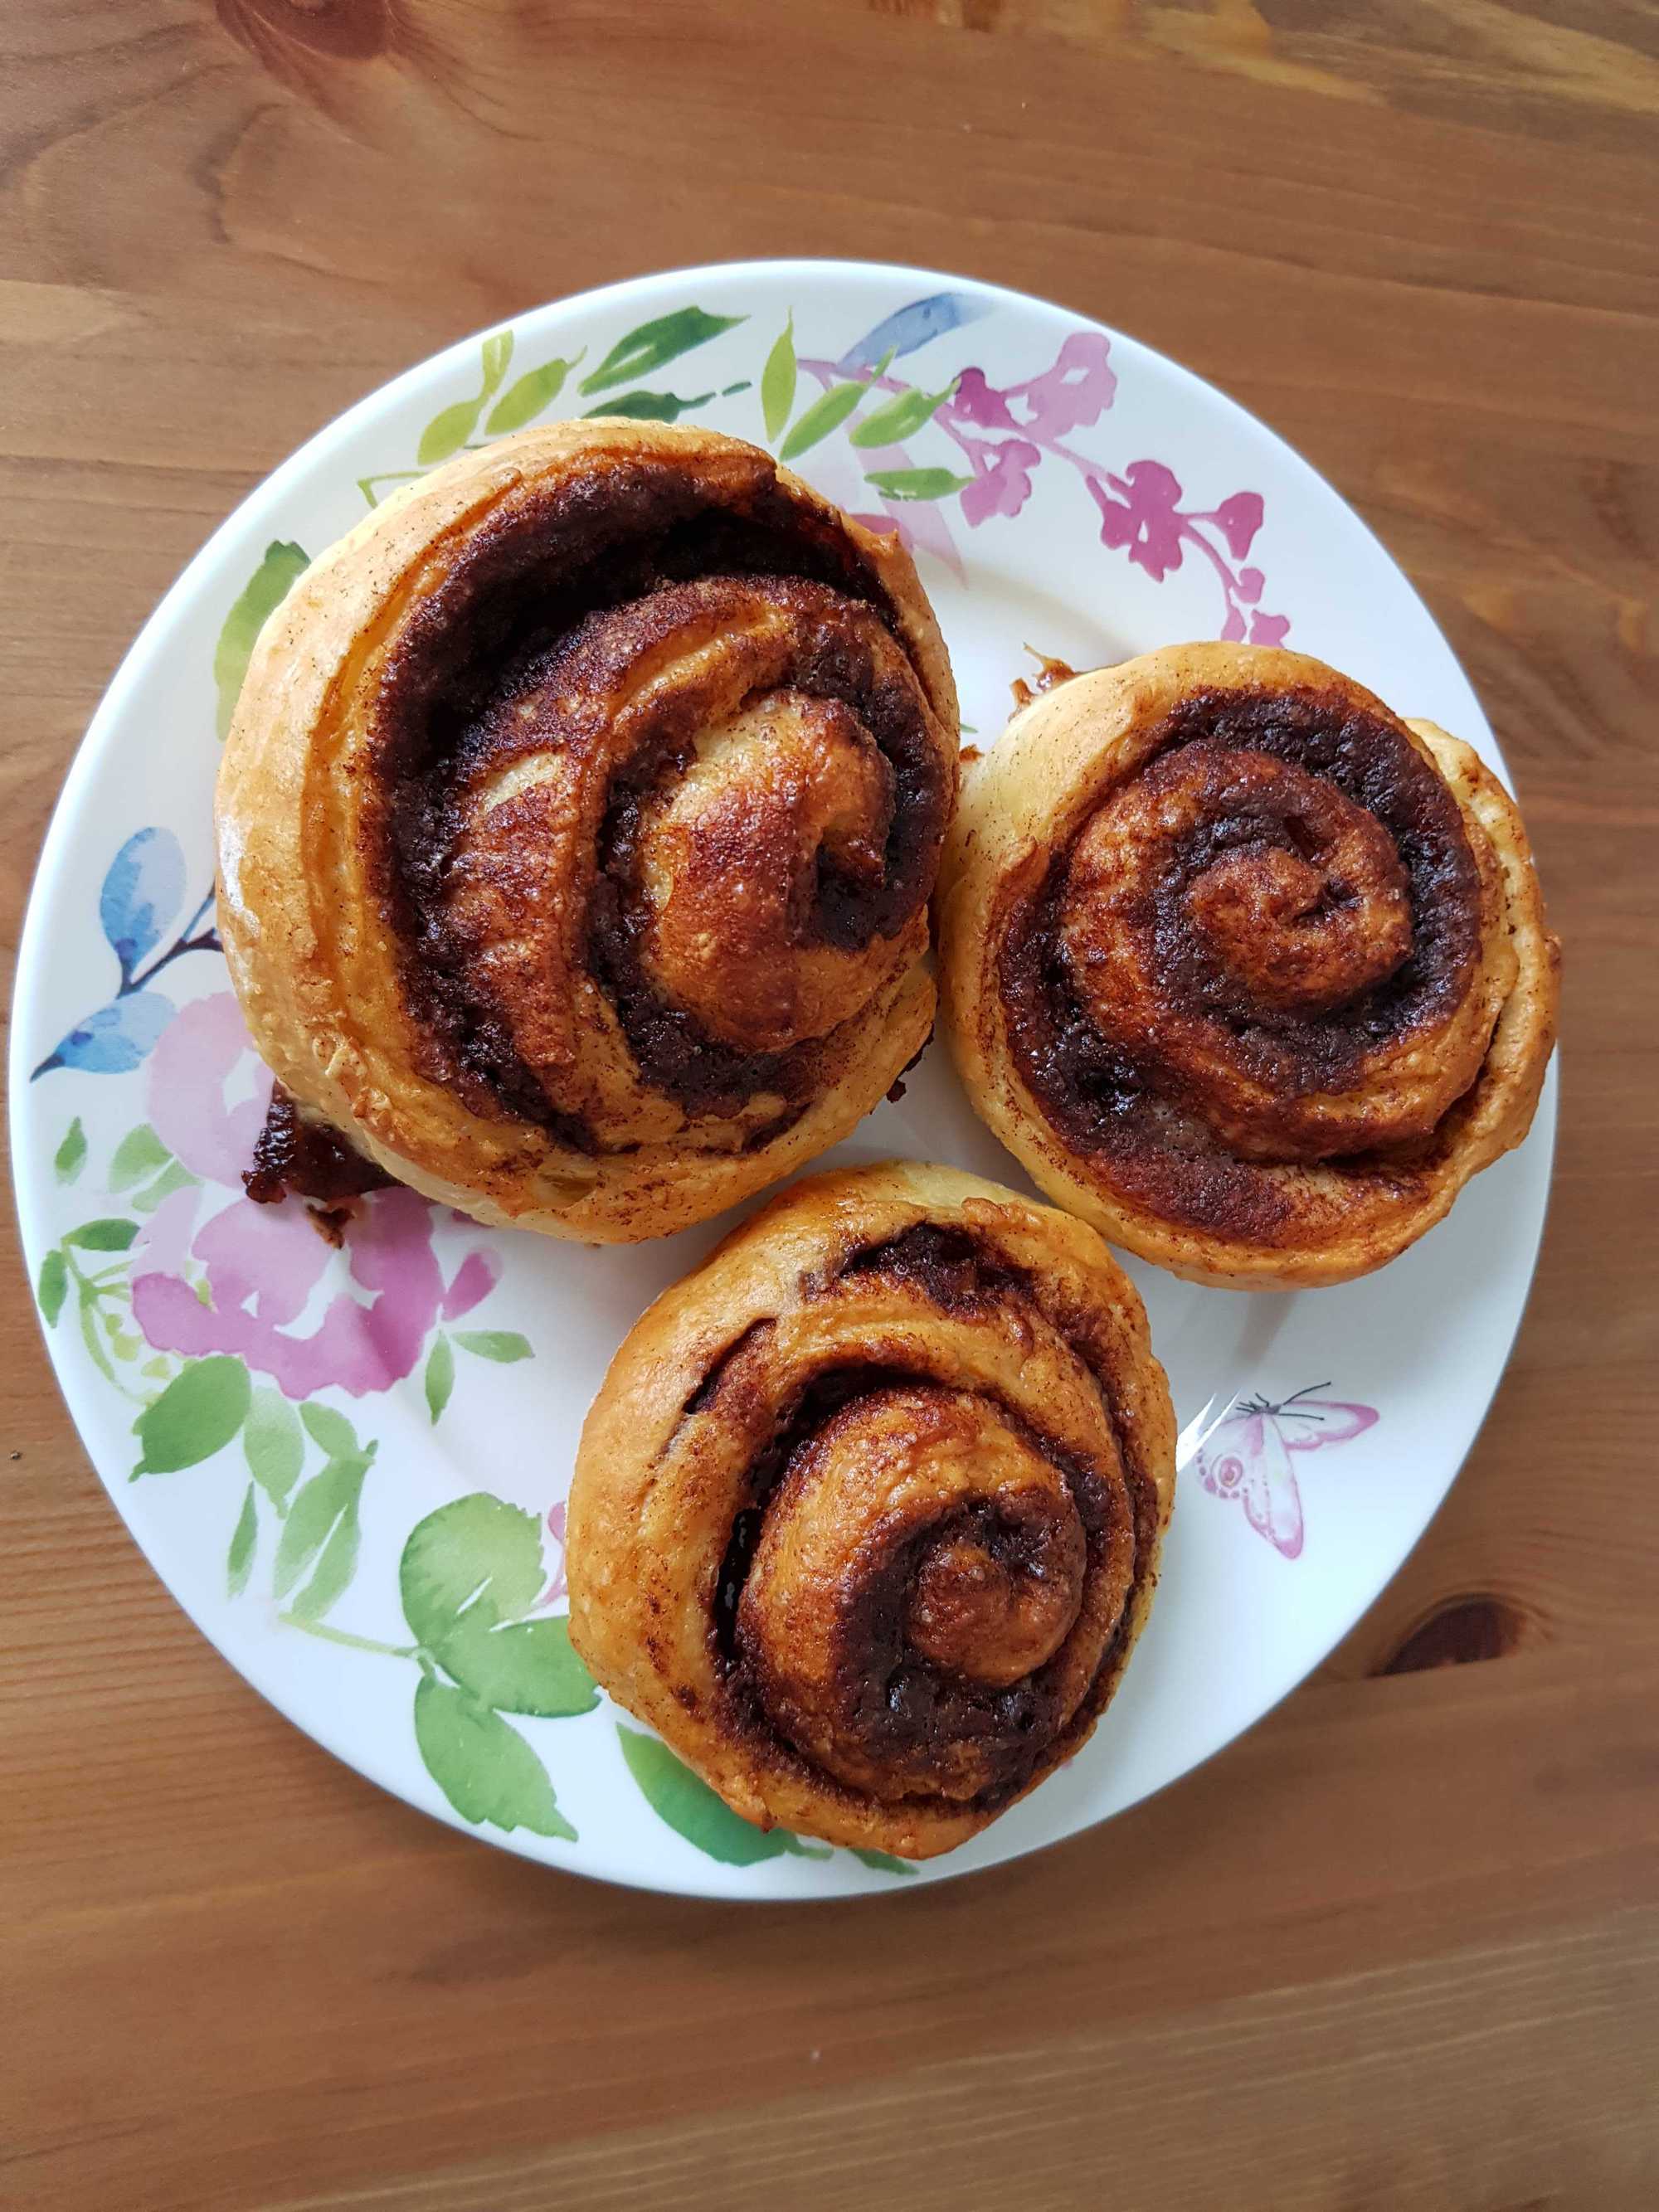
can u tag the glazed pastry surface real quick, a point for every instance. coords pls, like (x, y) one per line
(578, 825)
(1245, 969)
(866, 1515)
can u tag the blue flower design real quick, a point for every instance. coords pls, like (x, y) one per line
(907, 328)
(143, 890)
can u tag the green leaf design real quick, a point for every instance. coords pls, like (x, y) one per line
(320, 1509)
(336, 1563)
(692, 1809)
(239, 1562)
(651, 406)
(438, 1379)
(916, 484)
(108, 1235)
(485, 1768)
(648, 347)
(139, 1155)
(778, 379)
(87, 1301)
(53, 1287)
(452, 426)
(154, 1370)
(273, 1444)
(448, 431)
(497, 353)
(527, 1667)
(475, 1555)
(827, 413)
(173, 1177)
(71, 1155)
(522, 401)
(881, 1862)
(263, 592)
(331, 1430)
(505, 1344)
(469, 1571)
(197, 1415)
(901, 416)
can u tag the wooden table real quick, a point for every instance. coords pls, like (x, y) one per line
(1397, 1948)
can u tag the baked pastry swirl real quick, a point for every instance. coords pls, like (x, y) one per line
(1246, 970)
(865, 1517)
(578, 825)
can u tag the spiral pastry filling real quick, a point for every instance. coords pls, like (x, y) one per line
(919, 1615)
(923, 1587)
(915, 1507)
(1271, 943)
(744, 774)
(579, 824)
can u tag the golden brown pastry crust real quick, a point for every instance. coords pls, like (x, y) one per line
(1245, 970)
(867, 1514)
(578, 823)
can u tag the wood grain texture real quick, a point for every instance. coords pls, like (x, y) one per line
(1398, 1947)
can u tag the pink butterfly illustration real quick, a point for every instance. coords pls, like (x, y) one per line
(1247, 1455)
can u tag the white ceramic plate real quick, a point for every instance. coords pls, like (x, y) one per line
(298, 1414)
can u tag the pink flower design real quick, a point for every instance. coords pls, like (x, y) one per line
(558, 1587)
(921, 528)
(1144, 515)
(1239, 518)
(975, 401)
(1140, 512)
(1070, 396)
(1002, 478)
(1021, 426)
(202, 1053)
(262, 1265)
(473, 1281)
(1075, 392)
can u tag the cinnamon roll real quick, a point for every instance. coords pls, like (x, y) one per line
(1245, 969)
(578, 825)
(865, 1517)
